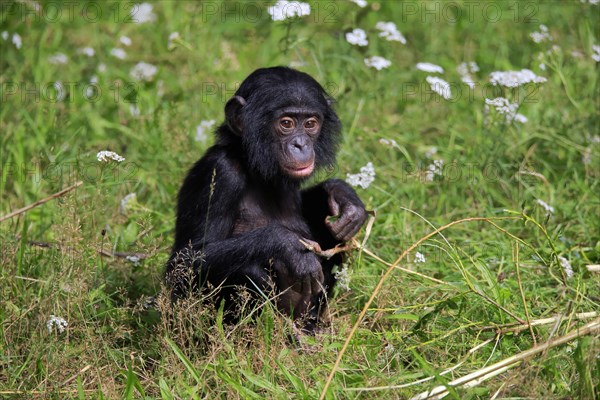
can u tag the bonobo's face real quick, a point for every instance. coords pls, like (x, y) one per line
(296, 130)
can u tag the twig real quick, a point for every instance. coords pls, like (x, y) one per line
(481, 375)
(514, 328)
(523, 294)
(39, 202)
(77, 374)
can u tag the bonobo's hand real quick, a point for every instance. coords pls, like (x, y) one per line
(344, 203)
(298, 268)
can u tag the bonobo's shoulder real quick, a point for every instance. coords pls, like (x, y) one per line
(222, 162)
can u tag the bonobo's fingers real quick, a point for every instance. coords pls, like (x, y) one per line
(348, 224)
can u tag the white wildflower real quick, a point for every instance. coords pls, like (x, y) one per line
(542, 66)
(283, 10)
(437, 168)
(432, 151)
(61, 92)
(58, 58)
(566, 266)
(576, 54)
(134, 110)
(592, 2)
(135, 260)
(388, 142)
(514, 79)
(360, 3)
(542, 36)
(106, 156)
(102, 68)
(17, 41)
(56, 322)
(92, 89)
(419, 258)
(429, 67)
(118, 53)
(364, 178)
(5, 35)
(357, 37)
(549, 209)
(143, 72)
(390, 32)
(125, 40)
(87, 51)
(141, 13)
(439, 86)
(172, 37)
(465, 70)
(596, 53)
(506, 108)
(203, 128)
(377, 62)
(126, 202)
(342, 276)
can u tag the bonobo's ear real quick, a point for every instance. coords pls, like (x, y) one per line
(232, 114)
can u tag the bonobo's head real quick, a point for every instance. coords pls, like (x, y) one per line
(286, 124)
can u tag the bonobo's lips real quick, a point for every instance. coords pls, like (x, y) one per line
(301, 172)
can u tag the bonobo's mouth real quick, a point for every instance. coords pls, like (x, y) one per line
(300, 172)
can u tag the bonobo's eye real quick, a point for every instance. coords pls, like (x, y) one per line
(311, 124)
(286, 123)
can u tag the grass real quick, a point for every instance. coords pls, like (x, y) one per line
(482, 280)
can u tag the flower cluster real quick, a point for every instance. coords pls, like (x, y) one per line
(465, 70)
(360, 3)
(419, 258)
(566, 266)
(106, 156)
(87, 51)
(390, 32)
(118, 53)
(284, 9)
(364, 178)
(429, 67)
(202, 128)
(439, 86)
(143, 72)
(342, 276)
(56, 322)
(16, 39)
(596, 54)
(58, 58)
(437, 168)
(357, 37)
(141, 13)
(542, 36)
(513, 79)
(506, 108)
(377, 62)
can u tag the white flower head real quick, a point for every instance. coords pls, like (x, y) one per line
(102, 68)
(390, 32)
(439, 86)
(58, 323)
(357, 37)
(466, 71)
(143, 72)
(58, 58)
(596, 53)
(126, 202)
(419, 258)
(513, 79)
(125, 40)
(549, 209)
(106, 156)
(4, 35)
(203, 128)
(141, 13)
(284, 9)
(118, 53)
(566, 266)
(437, 168)
(172, 37)
(364, 178)
(360, 3)
(504, 107)
(342, 276)
(542, 36)
(61, 92)
(377, 62)
(87, 51)
(17, 41)
(429, 67)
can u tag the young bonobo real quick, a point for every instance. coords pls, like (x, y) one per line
(242, 216)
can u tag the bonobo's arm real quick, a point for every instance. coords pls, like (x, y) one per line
(333, 197)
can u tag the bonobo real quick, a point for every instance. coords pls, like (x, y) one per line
(242, 215)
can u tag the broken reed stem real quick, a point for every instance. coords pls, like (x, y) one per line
(383, 278)
(481, 375)
(40, 202)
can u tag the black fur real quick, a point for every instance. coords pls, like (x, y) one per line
(240, 216)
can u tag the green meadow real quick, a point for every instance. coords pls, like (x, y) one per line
(477, 276)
